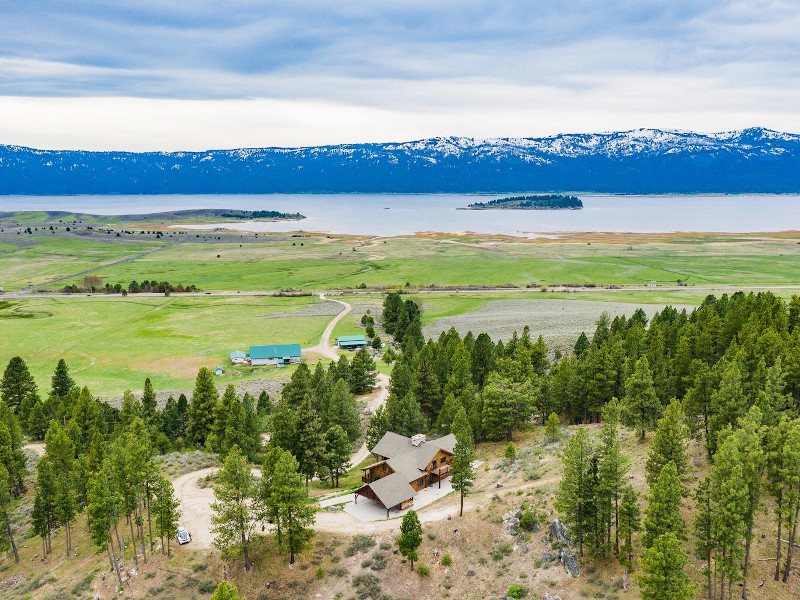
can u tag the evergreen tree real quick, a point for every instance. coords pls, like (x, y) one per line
(669, 443)
(226, 591)
(405, 416)
(45, 512)
(427, 389)
(783, 476)
(166, 510)
(61, 381)
(299, 387)
(640, 406)
(612, 469)
(6, 534)
(201, 408)
(264, 405)
(101, 515)
(310, 440)
(11, 455)
(444, 421)
(459, 383)
(410, 536)
(149, 405)
(630, 521)
(377, 427)
(342, 410)
(506, 405)
(581, 345)
(17, 383)
(337, 453)
(289, 501)
(703, 525)
(362, 373)
(283, 427)
(131, 408)
(573, 493)
(552, 430)
(728, 402)
(483, 356)
(60, 450)
(664, 571)
(232, 521)
(462, 472)
(663, 512)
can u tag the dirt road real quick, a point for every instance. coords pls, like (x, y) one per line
(379, 399)
(324, 347)
(37, 448)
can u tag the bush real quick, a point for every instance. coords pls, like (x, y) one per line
(517, 590)
(527, 520)
(320, 573)
(360, 543)
(378, 561)
(423, 570)
(511, 451)
(447, 560)
(206, 587)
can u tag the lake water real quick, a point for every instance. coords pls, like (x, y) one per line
(402, 214)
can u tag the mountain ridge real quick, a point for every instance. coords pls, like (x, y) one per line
(755, 160)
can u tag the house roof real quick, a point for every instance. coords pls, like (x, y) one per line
(275, 351)
(392, 490)
(408, 460)
(351, 339)
(238, 354)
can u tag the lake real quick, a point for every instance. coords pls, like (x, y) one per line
(403, 214)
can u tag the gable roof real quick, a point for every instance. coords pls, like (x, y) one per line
(351, 339)
(275, 351)
(238, 354)
(392, 490)
(409, 460)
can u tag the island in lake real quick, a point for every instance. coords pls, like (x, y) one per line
(537, 202)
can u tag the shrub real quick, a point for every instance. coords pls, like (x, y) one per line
(423, 570)
(527, 520)
(360, 543)
(206, 587)
(511, 451)
(378, 561)
(385, 546)
(320, 573)
(517, 590)
(447, 560)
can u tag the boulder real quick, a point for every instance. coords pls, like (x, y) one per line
(559, 532)
(547, 557)
(570, 560)
(549, 597)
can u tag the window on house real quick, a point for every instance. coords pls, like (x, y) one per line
(421, 481)
(384, 468)
(433, 464)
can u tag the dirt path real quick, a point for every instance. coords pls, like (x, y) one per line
(37, 448)
(379, 399)
(324, 347)
(33, 288)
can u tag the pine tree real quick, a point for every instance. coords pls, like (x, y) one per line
(226, 591)
(232, 521)
(167, 511)
(612, 468)
(61, 381)
(669, 443)
(264, 405)
(703, 525)
(664, 571)
(663, 512)
(131, 408)
(460, 384)
(405, 416)
(337, 453)
(552, 429)
(410, 536)
(45, 512)
(728, 402)
(201, 408)
(11, 455)
(289, 500)
(573, 493)
(783, 476)
(630, 521)
(444, 421)
(427, 388)
(483, 356)
(310, 449)
(101, 513)
(60, 450)
(342, 410)
(640, 406)
(462, 473)
(506, 405)
(6, 534)
(17, 383)
(149, 405)
(362, 373)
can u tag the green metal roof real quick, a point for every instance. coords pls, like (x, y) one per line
(351, 339)
(275, 351)
(238, 354)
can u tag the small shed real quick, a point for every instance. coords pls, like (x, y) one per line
(238, 357)
(275, 354)
(218, 370)
(351, 342)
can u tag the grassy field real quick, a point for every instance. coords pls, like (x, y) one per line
(242, 261)
(114, 343)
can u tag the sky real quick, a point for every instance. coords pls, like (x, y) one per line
(172, 75)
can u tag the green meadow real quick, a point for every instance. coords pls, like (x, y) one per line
(115, 343)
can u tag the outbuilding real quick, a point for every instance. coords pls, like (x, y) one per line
(238, 357)
(351, 342)
(276, 354)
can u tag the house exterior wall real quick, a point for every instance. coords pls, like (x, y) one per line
(377, 472)
(263, 361)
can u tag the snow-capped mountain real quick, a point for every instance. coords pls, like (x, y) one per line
(637, 161)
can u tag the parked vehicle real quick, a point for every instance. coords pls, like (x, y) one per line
(184, 537)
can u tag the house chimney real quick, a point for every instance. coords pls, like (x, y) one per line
(416, 440)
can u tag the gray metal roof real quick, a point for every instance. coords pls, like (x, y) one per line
(392, 444)
(408, 459)
(392, 490)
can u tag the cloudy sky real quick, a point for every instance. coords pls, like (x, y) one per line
(172, 74)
